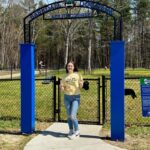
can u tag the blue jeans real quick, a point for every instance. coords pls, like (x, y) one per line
(72, 103)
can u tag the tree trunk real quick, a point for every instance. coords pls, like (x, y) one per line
(3, 48)
(89, 56)
(67, 49)
(90, 46)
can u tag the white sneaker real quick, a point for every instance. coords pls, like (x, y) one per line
(77, 133)
(70, 133)
(74, 135)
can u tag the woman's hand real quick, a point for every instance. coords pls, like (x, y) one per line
(81, 83)
(62, 88)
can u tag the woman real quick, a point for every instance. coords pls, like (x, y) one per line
(70, 85)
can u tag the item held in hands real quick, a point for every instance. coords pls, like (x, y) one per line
(85, 85)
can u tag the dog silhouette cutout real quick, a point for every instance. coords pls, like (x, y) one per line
(130, 92)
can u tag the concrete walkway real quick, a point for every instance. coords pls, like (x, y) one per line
(55, 138)
(8, 76)
(14, 75)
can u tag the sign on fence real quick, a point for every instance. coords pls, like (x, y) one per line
(145, 95)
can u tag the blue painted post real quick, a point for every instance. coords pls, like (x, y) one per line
(117, 90)
(27, 88)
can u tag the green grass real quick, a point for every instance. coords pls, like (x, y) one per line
(99, 72)
(10, 98)
(44, 101)
(133, 107)
(9, 124)
(88, 104)
(10, 107)
(136, 131)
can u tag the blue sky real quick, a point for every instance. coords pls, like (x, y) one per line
(48, 1)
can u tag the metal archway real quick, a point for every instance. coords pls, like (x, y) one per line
(96, 6)
(116, 57)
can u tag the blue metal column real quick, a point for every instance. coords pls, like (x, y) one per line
(27, 88)
(117, 90)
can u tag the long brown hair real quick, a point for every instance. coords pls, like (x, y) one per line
(75, 67)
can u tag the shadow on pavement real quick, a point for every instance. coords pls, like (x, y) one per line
(60, 135)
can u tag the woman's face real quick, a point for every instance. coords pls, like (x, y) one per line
(70, 67)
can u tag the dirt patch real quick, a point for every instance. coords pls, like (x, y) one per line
(13, 140)
(10, 138)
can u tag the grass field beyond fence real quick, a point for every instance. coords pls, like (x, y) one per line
(10, 101)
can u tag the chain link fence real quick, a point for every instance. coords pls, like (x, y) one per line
(133, 107)
(89, 109)
(44, 100)
(91, 105)
(45, 105)
(10, 100)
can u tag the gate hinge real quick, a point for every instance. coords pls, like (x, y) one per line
(57, 82)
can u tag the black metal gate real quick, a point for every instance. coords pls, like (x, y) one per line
(49, 103)
(91, 110)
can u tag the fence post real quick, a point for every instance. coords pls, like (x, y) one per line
(117, 90)
(59, 100)
(98, 92)
(103, 98)
(27, 88)
(54, 96)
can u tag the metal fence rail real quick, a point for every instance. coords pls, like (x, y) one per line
(133, 107)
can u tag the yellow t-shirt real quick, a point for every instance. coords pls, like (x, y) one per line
(71, 83)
